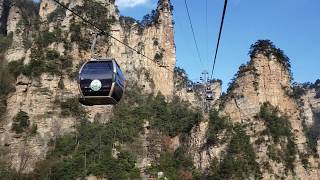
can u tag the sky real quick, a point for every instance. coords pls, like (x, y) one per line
(292, 25)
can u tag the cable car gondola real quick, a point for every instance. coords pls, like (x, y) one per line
(209, 95)
(101, 82)
(189, 87)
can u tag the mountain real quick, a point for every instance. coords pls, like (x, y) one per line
(265, 126)
(271, 111)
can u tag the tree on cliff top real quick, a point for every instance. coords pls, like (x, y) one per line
(267, 48)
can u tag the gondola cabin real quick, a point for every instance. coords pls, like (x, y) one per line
(101, 82)
(189, 88)
(209, 95)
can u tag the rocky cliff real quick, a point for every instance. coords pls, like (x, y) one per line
(266, 78)
(263, 127)
(51, 30)
(311, 102)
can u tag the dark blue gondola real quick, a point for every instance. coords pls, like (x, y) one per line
(101, 82)
(189, 87)
(209, 95)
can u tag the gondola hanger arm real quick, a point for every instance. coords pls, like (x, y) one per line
(93, 45)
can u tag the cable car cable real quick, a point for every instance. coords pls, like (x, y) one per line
(194, 36)
(207, 29)
(220, 31)
(107, 34)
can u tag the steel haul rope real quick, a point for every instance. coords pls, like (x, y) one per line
(220, 31)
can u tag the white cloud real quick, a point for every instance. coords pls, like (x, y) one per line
(131, 3)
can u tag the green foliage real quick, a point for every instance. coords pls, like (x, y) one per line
(216, 125)
(129, 23)
(5, 42)
(87, 153)
(155, 42)
(279, 127)
(72, 107)
(59, 13)
(61, 83)
(180, 77)
(232, 85)
(267, 48)
(89, 149)
(153, 17)
(6, 85)
(313, 134)
(243, 69)
(34, 129)
(76, 36)
(317, 96)
(28, 26)
(75, 30)
(20, 122)
(305, 160)
(215, 81)
(158, 56)
(148, 77)
(96, 13)
(298, 91)
(240, 159)
(173, 118)
(46, 38)
(73, 75)
(35, 68)
(174, 165)
(316, 86)
(16, 67)
(49, 61)
(150, 19)
(29, 8)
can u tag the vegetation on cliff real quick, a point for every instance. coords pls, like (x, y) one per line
(175, 165)
(268, 49)
(316, 86)
(5, 42)
(90, 149)
(239, 161)
(279, 128)
(217, 125)
(153, 17)
(312, 132)
(48, 61)
(20, 122)
(6, 77)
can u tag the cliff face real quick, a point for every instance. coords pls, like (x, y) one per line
(264, 79)
(311, 103)
(38, 96)
(196, 98)
(49, 44)
(155, 40)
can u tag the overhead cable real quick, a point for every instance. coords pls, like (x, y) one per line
(218, 42)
